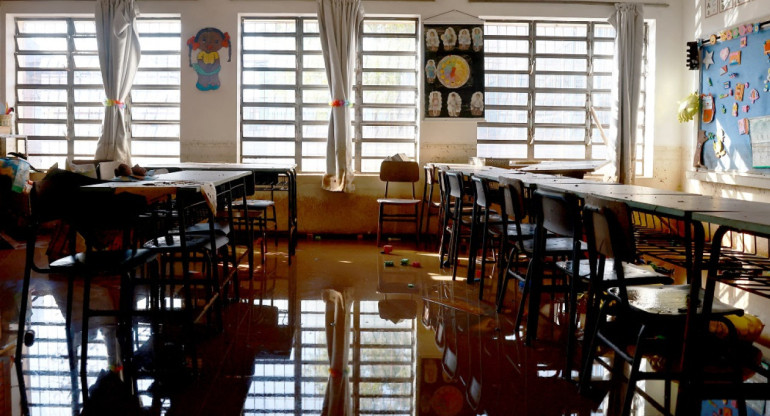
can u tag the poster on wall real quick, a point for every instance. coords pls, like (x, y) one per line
(453, 70)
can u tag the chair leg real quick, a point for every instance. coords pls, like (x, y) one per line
(633, 374)
(379, 224)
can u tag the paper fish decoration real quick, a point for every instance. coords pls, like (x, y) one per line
(735, 58)
(754, 96)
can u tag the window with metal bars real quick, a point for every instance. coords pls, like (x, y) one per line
(59, 92)
(542, 80)
(381, 370)
(285, 98)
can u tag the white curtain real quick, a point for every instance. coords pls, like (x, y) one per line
(628, 21)
(119, 55)
(337, 399)
(339, 21)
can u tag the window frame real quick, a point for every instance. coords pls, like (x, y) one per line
(70, 122)
(358, 124)
(531, 125)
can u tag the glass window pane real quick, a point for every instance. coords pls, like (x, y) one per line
(389, 114)
(252, 95)
(561, 47)
(507, 81)
(154, 147)
(562, 134)
(561, 64)
(404, 79)
(506, 98)
(372, 96)
(560, 100)
(506, 116)
(154, 96)
(502, 133)
(381, 44)
(560, 117)
(41, 26)
(262, 60)
(268, 130)
(41, 77)
(268, 148)
(42, 61)
(269, 43)
(559, 151)
(41, 112)
(389, 26)
(561, 29)
(269, 78)
(560, 81)
(506, 64)
(502, 46)
(42, 95)
(268, 113)
(389, 61)
(510, 151)
(42, 44)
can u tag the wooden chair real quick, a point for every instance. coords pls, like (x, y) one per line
(429, 207)
(394, 209)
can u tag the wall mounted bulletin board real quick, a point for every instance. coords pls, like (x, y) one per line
(453, 62)
(735, 100)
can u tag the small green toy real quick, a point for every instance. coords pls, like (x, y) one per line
(389, 263)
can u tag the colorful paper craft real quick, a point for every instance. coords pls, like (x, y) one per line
(735, 109)
(724, 53)
(767, 47)
(739, 92)
(733, 74)
(743, 126)
(726, 84)
(708, 58)
(744, 42)
(754, 96)
(735, 58)
(745, 109)
(707, 104)
(723, 70)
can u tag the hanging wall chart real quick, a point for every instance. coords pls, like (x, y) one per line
(453, 70)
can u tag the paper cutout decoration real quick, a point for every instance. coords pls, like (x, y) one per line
(708, 58)
(735, 58)
(724, 53)
(744, 42)
(707, 104)
(726, 84)
(719, 145)
(209, 41)
(743, 126)
(735, 109)
(739, 91)
(733, 74)
(754, 96)
(745, 108)
(724, 110)
(767, 47)
(723, 70)
(710, 83)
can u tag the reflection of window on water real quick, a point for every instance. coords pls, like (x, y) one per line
(49, 381)
(382, 370)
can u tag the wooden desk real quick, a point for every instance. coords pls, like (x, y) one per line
(262, 173)
(576, 169)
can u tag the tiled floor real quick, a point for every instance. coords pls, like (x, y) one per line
(420, 344)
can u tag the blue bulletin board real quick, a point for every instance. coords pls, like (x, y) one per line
(734, 74)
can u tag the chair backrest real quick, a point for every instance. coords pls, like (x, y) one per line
(558, 213)
(393, 171)
(625, 226)
(482, 191)
(455, 182)
(513, 198)
(609, 231)
(606, 239)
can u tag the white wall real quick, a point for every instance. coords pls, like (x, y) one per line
(209, 119)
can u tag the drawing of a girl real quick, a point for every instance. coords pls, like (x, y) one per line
(209, 41)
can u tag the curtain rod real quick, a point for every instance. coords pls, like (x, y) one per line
(584, 2)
